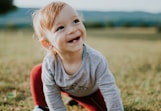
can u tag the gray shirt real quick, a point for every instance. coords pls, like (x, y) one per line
(93, 74)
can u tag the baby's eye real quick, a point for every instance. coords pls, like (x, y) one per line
(76, 21)
(60, 28)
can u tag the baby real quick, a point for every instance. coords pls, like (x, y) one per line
(70, 67)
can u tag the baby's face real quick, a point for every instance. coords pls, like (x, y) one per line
(68, 32)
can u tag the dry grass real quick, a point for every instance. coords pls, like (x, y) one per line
(134, 57)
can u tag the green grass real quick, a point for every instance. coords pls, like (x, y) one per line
(134, 57)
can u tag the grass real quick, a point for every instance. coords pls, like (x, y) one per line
(134, 57)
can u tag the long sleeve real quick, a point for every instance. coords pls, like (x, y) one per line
(51, 91)
(93, 74)
(107, 85)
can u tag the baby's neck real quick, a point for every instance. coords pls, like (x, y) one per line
(73, 57)
(72, 62)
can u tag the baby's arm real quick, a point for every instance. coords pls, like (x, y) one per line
(108, 87)
(51, 91)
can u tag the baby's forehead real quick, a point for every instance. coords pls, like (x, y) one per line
(67, 11)
(66, 15)
(68, 7)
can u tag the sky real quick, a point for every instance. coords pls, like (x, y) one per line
(153, 6)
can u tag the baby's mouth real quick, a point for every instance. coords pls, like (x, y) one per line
(74, 40)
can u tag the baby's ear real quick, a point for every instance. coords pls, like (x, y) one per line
(45, 43)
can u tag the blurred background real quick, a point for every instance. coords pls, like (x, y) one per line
(127, 32)
(109, 13)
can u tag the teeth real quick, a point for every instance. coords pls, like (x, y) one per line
(74, 40)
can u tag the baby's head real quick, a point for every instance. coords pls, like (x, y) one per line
(59, 27)
(44, 18)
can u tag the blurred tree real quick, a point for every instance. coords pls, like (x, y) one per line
(6, 6)
(110, 23)
(159, 28)
(127, 24)
(94, 24)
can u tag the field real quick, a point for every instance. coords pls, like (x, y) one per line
(134, 57)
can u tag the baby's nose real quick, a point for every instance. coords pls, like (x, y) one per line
(71, 29)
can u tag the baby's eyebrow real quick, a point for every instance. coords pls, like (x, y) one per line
(55, 26)
(61, 23)
(58, 24)
(75, 16)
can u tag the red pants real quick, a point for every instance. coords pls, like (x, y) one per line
(93, 102)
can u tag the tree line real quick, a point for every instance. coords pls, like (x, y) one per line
(6, 6)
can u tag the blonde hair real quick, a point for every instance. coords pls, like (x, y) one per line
(44, 18)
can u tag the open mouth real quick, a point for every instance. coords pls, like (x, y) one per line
(74, 40)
